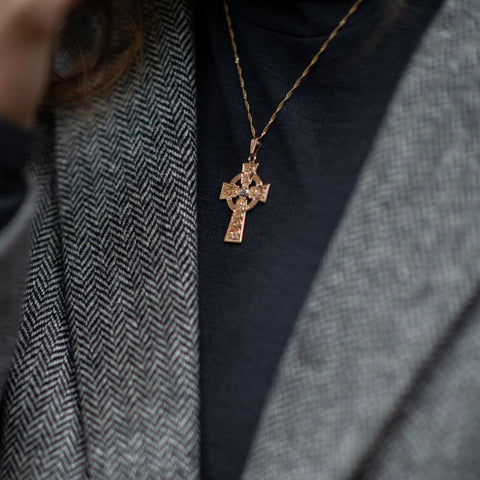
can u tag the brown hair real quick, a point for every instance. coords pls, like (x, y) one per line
(96, 64)
(93, 58)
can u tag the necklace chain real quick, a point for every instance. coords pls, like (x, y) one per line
(247, 188)
(306, 71)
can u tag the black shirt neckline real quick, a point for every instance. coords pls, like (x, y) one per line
(303, 18)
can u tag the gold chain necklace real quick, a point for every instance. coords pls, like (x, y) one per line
(239, 193)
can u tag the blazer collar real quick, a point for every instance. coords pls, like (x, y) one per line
(401, 268)
(127, 195)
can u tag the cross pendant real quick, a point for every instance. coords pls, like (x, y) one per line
(241, 197)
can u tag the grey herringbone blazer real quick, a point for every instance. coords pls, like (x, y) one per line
(381, 376)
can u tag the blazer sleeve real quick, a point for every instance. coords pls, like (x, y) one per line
(14, 236)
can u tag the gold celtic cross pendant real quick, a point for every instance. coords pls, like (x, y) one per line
(241, 197)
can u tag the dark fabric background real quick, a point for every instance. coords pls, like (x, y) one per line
(15, 144)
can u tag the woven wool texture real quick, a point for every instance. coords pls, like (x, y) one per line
(393, 304)
(105, 378)
(379, 379)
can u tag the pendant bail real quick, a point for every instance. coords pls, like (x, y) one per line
(255, 144)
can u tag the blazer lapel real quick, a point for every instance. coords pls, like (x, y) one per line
(401, 267)
(127, 193)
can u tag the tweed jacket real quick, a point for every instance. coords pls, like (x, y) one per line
(381, 375)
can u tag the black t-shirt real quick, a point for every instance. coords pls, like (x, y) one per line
(251, 293)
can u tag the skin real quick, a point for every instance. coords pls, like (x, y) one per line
(28, 29)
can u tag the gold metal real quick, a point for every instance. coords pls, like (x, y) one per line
(241, 197)
(255, 145)
(247, 196)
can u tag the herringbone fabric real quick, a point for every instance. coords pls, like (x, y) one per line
(380, 379)
(104, 382)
